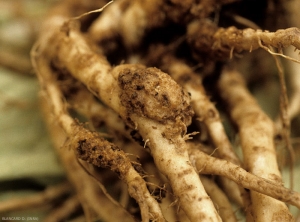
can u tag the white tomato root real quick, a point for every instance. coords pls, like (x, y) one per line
(210, 165)
(259, 148)
(158, 105)
(224, 42)
(166, 111)
(90, 147)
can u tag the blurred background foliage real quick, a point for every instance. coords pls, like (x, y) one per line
(28, 163)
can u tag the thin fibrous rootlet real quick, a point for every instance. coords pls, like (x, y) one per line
(133, 98)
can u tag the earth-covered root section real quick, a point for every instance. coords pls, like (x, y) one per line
(135, 96)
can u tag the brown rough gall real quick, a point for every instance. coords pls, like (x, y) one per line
(151, 93)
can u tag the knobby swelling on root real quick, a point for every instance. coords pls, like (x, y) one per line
(135, 96)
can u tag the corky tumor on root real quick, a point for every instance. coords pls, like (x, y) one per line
(152, 93)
